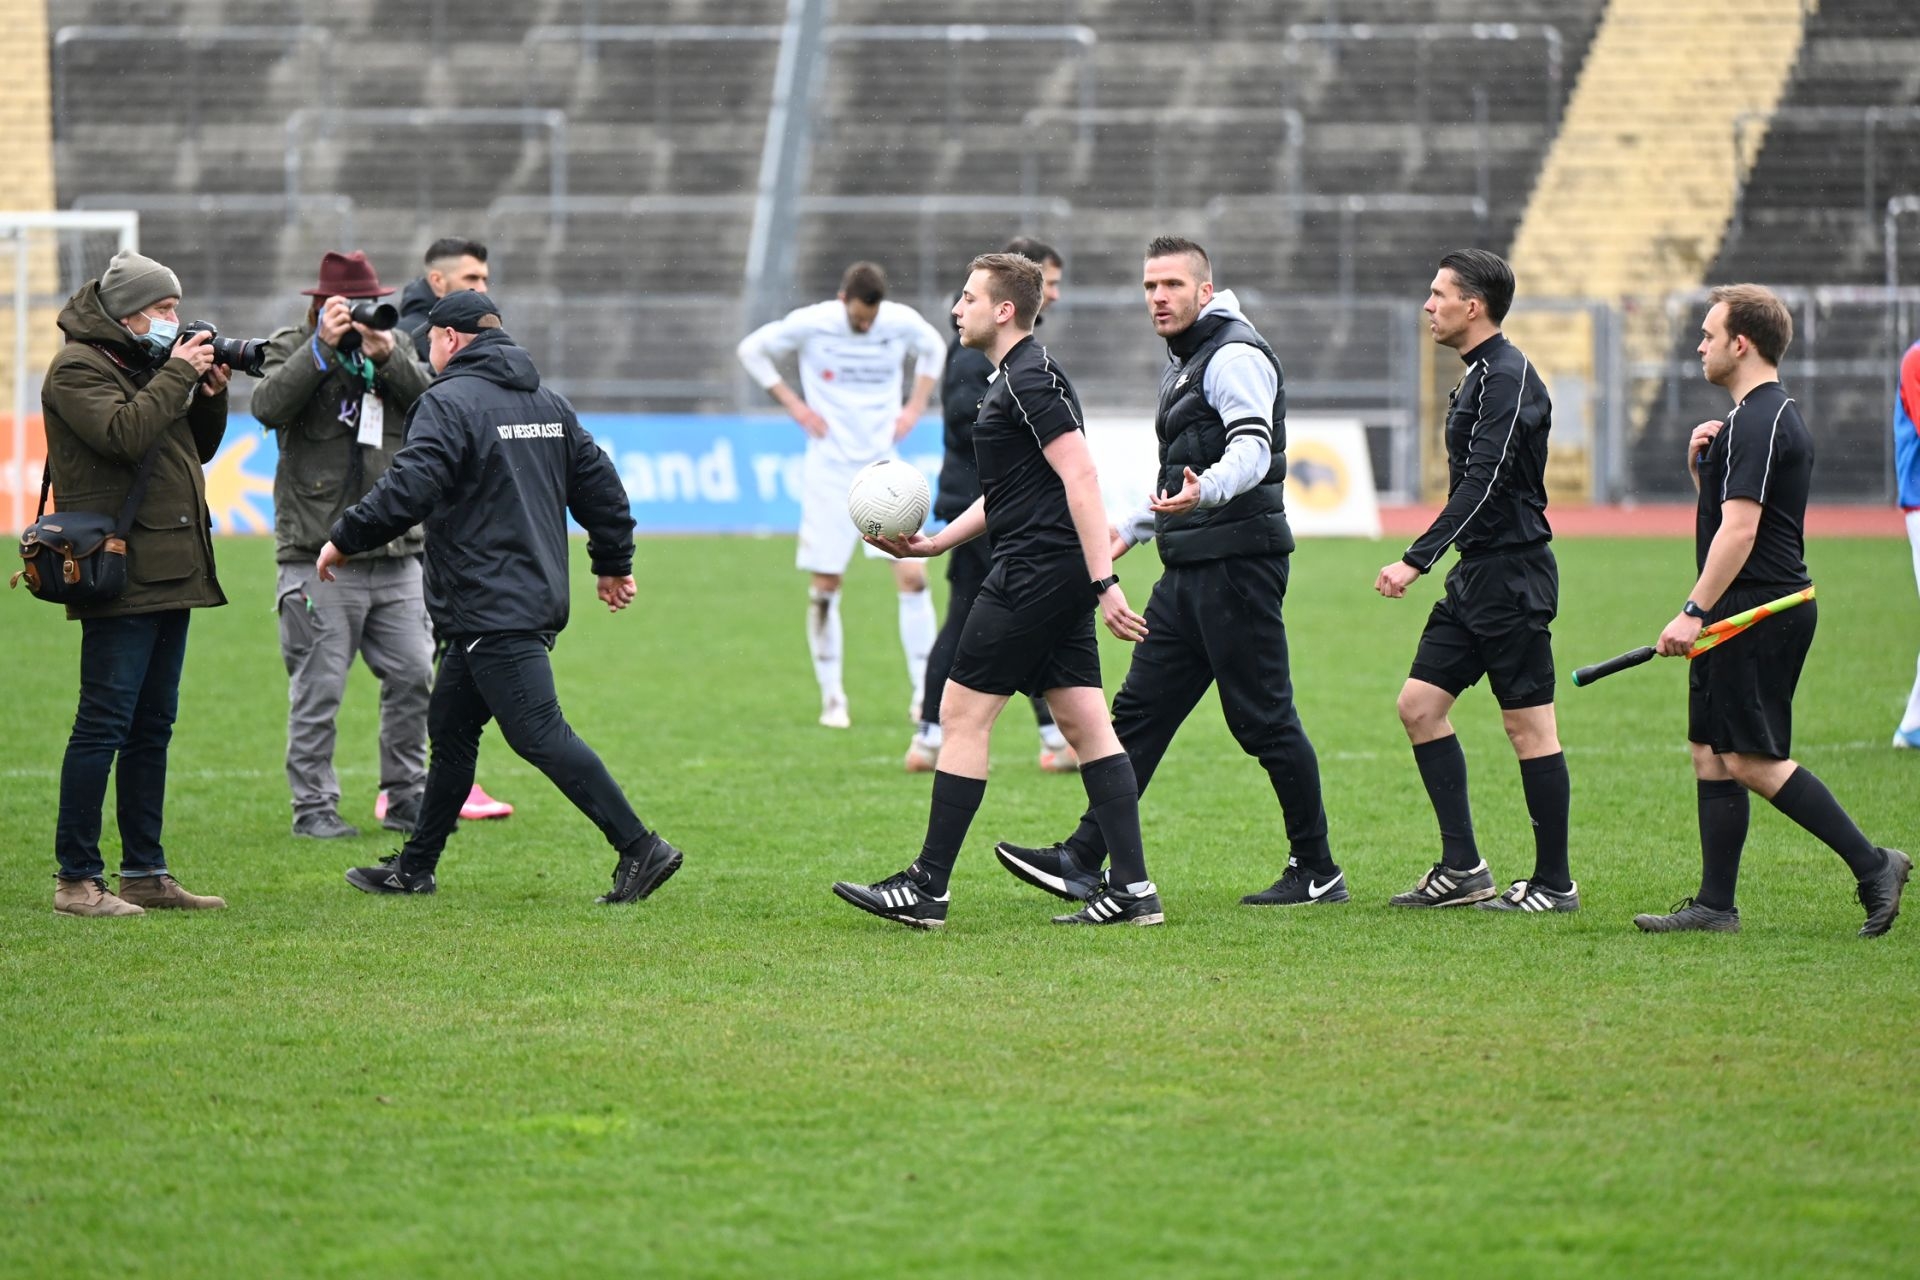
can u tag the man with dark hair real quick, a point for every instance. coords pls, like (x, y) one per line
(1031, 629)
(852, 351)
(336, 393)
(1753, 473)
(494, 464)
(453, 263)
(1501, 597)
(1215, 614)
(963, 385)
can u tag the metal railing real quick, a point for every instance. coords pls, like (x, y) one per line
(1425, 35)
(1164, 120)
(1751, 127)
(1897, 208)
(1350, 207)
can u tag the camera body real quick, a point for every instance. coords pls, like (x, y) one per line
(247, 355)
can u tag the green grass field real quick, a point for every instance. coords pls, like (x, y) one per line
(743, 1076)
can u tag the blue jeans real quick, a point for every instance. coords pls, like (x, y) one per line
(129, 693)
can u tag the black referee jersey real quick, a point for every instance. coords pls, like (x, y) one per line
(1497, 426)
(1764, 453)
(1029, 403)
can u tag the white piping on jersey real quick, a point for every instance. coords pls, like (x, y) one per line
(1773, 434)
(1518, 403)
(1048, 365)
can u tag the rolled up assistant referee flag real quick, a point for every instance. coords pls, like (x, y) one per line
(1712, 637)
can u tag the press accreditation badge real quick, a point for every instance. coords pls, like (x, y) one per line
(373, 421)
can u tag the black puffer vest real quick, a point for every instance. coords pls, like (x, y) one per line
(1192, 434)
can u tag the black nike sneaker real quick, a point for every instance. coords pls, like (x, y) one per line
(641, 870)
(1880, 894)
(1117, 906)
(389, 878)
(904, 898)
(1053, 869)
(1298, 887)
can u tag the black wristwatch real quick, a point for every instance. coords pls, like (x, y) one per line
(1100, 585)
(1693, 610)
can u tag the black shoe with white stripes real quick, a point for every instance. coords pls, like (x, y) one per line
(1117, 906)
(1445, 886)
(1522, 896)
(903, 898)
(1053, 869)
(1298, 887)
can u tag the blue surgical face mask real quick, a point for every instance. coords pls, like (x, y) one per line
(160, 334)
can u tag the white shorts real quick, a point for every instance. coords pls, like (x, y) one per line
(827, 535)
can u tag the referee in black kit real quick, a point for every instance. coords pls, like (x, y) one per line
(1215, 614)
(1753, 473)
(1031, 628)
(492, 465)
(964, 380)
(1501, 598)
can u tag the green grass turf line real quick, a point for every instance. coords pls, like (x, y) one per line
(744, 1077)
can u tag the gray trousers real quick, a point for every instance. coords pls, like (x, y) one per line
(375, 608)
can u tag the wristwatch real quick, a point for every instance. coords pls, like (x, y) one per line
(1100, 585)
(1693, 610)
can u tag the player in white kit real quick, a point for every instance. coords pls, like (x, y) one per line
(852, 352)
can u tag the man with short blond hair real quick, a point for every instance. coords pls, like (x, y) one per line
(1031, 629)
(1753, 473)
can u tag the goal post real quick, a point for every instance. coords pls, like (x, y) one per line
(44, 258)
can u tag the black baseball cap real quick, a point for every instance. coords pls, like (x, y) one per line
(467, 310)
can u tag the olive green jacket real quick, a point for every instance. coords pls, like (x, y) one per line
(307, 395)
(104, 406)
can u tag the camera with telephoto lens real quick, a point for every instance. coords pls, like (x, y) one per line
(247, 355)
(374, 315)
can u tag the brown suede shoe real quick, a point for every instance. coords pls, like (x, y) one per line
(164, 892)
(89, 897)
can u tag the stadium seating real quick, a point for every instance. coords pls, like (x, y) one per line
(1812, 214)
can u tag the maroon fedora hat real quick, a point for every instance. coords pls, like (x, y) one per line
(347, 275)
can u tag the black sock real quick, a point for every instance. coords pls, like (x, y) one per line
(1723, 834)
(1113, 797)
(1443, 767)
(1549, 794)
(1806, 800)
(955, 800)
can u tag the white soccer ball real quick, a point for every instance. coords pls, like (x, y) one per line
(889, 498)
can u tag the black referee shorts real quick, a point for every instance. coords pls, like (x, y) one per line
(1740, 694)
(1495, 620)
(1030, 630)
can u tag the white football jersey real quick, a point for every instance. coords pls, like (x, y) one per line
(853, 380)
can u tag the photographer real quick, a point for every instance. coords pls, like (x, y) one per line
(121, 395)
(337, 389)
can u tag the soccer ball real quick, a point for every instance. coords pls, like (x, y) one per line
(889, 498)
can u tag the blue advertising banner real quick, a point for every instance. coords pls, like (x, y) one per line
(685, 473)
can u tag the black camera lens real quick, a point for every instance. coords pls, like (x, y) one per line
(374, 315)
(247, 355)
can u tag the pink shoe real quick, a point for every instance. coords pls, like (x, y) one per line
(481, 805)
(380, 807)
